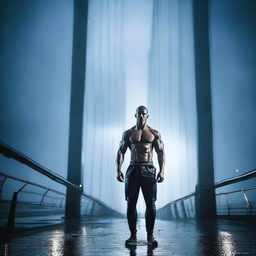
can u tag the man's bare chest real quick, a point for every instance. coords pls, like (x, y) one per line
(139, 136)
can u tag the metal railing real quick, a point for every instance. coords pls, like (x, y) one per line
(89, 204)
(184, 207)
(55, 201)
(10, 152)
(227, 208)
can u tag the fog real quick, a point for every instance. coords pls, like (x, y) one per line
(138, 53)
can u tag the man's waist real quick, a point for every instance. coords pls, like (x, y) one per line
(141, 163)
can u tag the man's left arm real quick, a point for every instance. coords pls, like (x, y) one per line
(159, 147)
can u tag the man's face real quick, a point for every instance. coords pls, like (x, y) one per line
(141, 116)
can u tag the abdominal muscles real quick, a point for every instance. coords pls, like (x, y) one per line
(141, 152)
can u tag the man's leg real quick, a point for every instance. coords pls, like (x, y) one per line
(150, 214)
(132, 215)
(132, 188)
(149, 189)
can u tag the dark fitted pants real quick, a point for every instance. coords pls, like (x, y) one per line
(141, 175)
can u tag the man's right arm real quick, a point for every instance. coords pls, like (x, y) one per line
(120, 156)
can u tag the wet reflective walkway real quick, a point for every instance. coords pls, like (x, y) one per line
(98, 236)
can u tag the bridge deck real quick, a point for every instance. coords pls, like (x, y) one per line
(106, 236)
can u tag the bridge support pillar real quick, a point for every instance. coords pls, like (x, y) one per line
(205, 194)
(73, 199)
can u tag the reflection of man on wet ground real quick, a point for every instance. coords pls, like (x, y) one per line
(141, 139)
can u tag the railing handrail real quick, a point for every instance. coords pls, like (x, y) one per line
(245, 176)
(20, 157)
(32, 183)
(222, 183)
(10, 152)
(52, 190)
(235, 191)
(183, 198)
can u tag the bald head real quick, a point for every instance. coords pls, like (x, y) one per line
(141, 116)
(141, 108)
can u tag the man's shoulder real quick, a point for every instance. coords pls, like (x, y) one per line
(127, 133)
(155, 132)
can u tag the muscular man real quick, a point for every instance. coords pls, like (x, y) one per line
(141, 139)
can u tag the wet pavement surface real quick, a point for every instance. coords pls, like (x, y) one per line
(106, 236)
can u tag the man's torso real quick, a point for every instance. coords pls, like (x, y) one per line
(141, 144)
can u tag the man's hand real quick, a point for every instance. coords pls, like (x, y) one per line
(120, 176)
(160, 177)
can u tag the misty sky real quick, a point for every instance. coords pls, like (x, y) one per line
(35, 72)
